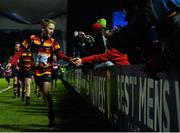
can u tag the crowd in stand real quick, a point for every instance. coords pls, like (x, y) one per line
(151, 37)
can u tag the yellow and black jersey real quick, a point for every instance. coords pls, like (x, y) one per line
(42, 50)
(25, 61)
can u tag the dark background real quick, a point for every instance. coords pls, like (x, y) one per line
(83, 13)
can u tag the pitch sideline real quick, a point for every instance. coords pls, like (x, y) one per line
(5, 89)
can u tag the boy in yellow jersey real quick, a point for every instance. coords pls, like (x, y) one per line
(42, 48)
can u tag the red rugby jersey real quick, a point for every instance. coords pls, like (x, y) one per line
(112, 55)
(25, 61)
(42, 50)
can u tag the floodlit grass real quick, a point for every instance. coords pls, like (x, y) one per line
(72, 112)
(3, 83)
(15, 116)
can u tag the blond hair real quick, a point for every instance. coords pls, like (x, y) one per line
(46, 21)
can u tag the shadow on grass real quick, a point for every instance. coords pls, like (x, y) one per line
(76, 114)
(73, 113)
(34, 112)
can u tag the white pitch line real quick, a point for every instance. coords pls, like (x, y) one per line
(5, 89)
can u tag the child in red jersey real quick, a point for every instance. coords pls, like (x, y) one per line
(7, 75)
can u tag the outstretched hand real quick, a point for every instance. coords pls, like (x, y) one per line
(76, 61)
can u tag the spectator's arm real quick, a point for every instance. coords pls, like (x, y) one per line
(95, 58)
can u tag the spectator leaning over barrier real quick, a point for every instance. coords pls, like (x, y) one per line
(42, 47)
(97, 32)
(112, 55)
(103, 23)
(115, 56)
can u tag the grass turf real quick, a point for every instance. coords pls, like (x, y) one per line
(72, 112)
(15, 116)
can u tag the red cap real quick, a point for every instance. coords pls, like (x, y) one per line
(96, 26)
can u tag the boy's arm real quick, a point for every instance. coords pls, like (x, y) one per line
(62, 56)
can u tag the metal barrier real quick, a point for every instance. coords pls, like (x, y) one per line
(131, 99)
